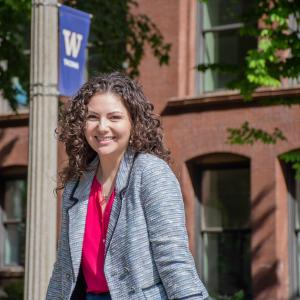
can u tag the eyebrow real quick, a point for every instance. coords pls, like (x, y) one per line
(111, 112)
(116, 111)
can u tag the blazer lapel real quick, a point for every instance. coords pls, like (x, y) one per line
(121, 183)
(77, 215)
(79, 203)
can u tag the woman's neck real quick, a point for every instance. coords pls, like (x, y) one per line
(108, 168)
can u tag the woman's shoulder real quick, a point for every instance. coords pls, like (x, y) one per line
(152, 165)
(156, 175)
(149, 161)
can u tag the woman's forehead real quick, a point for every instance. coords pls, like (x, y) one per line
(106, 101)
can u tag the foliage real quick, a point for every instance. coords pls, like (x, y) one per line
(117, 40)
(293, 158)
(276, 26)
(14, 289)
(240, 295)
(14, 41)
(249, 135)
(278, 53)
(119, 36)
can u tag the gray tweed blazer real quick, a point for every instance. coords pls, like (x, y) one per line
(147, 254)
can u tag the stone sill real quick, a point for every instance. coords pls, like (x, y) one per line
(225, 100)
(12, 272)
(14, 120)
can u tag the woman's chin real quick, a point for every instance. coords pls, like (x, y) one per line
(108, 151)
(105, 151)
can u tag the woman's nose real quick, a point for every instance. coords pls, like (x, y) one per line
(102, 124)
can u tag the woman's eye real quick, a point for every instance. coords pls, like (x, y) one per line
(92, 118)
(116, 117)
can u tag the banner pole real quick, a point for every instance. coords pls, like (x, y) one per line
(41, 220)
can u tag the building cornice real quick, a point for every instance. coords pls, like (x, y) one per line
(228, 100)
(14, 120)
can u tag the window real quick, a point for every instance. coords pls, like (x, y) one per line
(297, 229)
(13, 212)
(293, 24)
(220, 42)
(224, 221)
(293, 185)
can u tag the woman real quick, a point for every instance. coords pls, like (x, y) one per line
(123, 232)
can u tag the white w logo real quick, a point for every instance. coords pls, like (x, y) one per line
(72, 42)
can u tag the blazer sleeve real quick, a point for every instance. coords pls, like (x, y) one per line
(54, 287)
(55, 283)
(164, 213)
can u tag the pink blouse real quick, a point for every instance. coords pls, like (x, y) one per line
(94, 240)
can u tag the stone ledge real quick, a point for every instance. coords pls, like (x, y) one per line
(14, 120)
(12, 272)
(225, 100)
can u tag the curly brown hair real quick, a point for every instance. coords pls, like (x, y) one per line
(146, 132)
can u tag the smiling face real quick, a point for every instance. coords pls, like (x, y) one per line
(108, 125)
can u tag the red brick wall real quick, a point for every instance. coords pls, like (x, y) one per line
(176, 20)
(191, 135)
(196, 134)
(13, 146)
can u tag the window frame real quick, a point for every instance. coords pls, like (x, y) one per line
(292, 82)
(11, 173)
(200, 40)
(294, 265)
(197, 170)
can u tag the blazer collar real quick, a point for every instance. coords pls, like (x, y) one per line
(83, 189)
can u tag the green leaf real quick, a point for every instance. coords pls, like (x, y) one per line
(118, 38)
(249, 135)
(263, 67)
(293, 158)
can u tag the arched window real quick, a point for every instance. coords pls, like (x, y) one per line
(222, 183)
(13, 193)
(293, 190)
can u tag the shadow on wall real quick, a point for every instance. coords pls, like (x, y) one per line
(261, 251)
(265, 277)
(7, 148)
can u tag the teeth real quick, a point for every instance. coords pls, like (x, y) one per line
(105, 138)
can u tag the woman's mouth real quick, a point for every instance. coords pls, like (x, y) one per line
(104, 140)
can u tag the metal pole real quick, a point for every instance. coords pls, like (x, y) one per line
(42, 204)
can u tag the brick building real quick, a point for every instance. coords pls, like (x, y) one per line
(242, 202)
